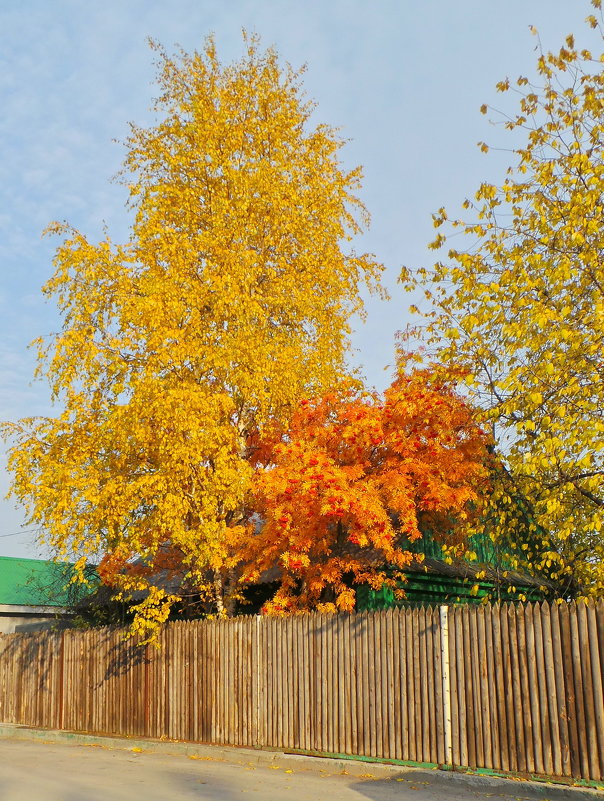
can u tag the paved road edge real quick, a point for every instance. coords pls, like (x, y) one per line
(282, 760)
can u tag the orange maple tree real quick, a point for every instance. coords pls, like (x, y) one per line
(355, 479)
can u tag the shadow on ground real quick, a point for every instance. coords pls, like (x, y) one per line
(445, 786)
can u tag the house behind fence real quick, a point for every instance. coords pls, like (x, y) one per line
(515, 688)
(36, 594)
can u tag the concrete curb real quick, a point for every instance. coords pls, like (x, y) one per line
(298, 762)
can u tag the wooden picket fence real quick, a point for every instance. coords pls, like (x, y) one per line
(515, 688)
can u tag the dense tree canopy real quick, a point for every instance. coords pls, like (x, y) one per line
(229, 302)
(522, 307)
(355, 479)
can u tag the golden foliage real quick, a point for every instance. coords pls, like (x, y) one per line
(523, 309)
(228, 303)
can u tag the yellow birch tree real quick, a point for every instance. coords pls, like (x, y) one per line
(522, 307)
(229, 302)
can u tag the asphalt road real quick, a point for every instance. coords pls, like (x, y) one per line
(39, 771)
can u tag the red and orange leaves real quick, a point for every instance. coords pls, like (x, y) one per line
(354, 476)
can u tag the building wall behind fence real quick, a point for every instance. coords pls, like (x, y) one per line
(512, 688)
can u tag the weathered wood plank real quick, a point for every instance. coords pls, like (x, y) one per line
(423, 708)
(591, 732)
(411, 639)
(455, 723)
(550, 679)
(419, 700)
(431, 748)
(546, 732)
(502, 688)
(464, 759)
(468, 656)
(492, 684)
(597, 685)
(557, 651)
(518, 699)
(575, 645)
(476, 687)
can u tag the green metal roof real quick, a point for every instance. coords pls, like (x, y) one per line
(486, 576)
(429, 589)
(484, 549)
(36, 582)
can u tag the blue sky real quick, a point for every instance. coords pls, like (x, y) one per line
(404, 81)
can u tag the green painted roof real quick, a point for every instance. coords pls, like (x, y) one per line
(485, 550)
(36, 582)
(435, 581)
(429, 589)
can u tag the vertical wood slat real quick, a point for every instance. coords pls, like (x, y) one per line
(483, 671)
(395, 689)
(562, 712)
(579, 706)
(410, 664)
(245, 681)
(430, 748)
(371, 683)
(341, 679)
(438, 716)
(251, 684)
(226, 685)
(308, 682)
(402, 702)
(588, 695)
(516, 688)
(511, 740)
(387, 685)
(363, 697)
(377, 726)
(279, 720)
(351, 685)
(417, 689)
(492, 686)
(455, 734)
(597, 661)
(500, 683)
(297, 687)
(262, 671)
(461, 688)
(324, 710)
(269, 667)
(422, 688)
(476, 685)
(331, 646)
(468, 653)
(546, 739)
(534, 700)
(315, 687)
(550, 681)
(218, 682)
(234, 697)
(525, 690)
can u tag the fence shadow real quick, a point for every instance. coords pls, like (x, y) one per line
(123, 656)
(31, 657)
(444, 786)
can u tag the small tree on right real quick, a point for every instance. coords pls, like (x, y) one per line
(522, 307)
